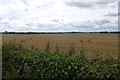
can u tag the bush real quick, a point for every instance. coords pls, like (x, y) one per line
(21, 63)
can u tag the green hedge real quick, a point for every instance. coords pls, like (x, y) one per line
(21, 63)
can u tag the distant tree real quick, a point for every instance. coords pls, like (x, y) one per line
(5, 31)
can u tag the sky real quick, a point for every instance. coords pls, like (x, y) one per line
(58, 15)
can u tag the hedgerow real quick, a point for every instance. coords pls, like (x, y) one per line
(26, 64)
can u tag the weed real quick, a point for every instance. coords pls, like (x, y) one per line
(57, 50)
(81, 41)
(72, 49)
(47, 48)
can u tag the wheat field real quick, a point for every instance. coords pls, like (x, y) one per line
(93, 44)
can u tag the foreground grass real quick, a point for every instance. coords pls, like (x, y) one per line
(22, 63)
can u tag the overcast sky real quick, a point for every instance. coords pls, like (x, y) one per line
(58, 15)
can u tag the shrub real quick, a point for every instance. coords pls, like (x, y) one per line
(21, 63)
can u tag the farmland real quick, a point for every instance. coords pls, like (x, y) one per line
(93, 44)
(30, 56)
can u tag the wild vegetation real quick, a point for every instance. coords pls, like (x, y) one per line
(20, 63)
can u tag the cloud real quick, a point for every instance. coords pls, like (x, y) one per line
(93, 0)
(113, 14)
(89, 5)
(101, 22)
(79, 4)
(25, 2)
(54, 15)
(105, 25)
(107, 0)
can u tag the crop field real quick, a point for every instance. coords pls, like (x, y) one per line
(93, 44)
(86, 56)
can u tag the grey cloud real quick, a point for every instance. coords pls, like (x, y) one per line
(9, 26)
(105, 25)
(26, 10)
(29, 24)
(84, 26)
(6, 26)
(43, 25)
(111, 1)
(55, 20)
(97, 25)
(1, 18)
(101, 4)
(107, 0)
(104, 28)
(79, 4)
(112, 14)
(87, 4)
(101, 22)
(56, 27)
(25, 2)
(59, 21)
